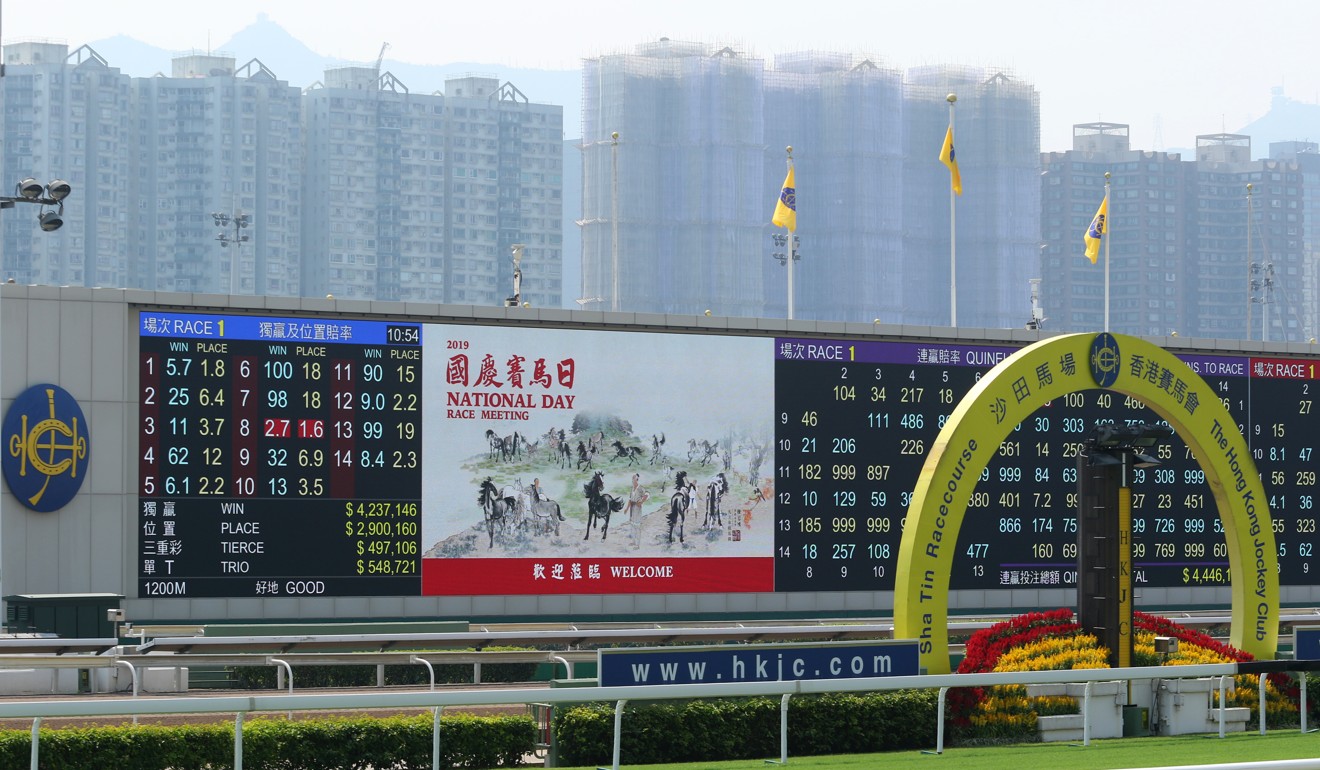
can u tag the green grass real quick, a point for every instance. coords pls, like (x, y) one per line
(1100, 755)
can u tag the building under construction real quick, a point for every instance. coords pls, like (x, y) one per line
(676, 210)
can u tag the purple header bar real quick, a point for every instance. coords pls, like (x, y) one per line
(915, 353)
(949, 354)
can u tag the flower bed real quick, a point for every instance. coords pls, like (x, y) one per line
(1043, 641)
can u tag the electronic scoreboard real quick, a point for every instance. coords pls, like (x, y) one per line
(283, 456)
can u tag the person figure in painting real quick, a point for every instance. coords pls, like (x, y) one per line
(636, 497)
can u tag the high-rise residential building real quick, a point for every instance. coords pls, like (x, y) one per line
(688, 229)
(215, 139)
(1152, 283)
(681, 204)
(1211, 247)
(996, 221)
(422, 196)
(65, 116)
(843, 114)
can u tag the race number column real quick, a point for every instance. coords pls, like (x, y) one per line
(278, 456)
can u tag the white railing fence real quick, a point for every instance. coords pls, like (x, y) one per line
(437, 700)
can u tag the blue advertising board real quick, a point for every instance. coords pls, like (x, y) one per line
(757, 662)
(1306, 643)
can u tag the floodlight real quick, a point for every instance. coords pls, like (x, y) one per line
(30, 188)
(58, 189)
(50, 221)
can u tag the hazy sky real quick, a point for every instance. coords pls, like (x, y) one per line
(1170, 69)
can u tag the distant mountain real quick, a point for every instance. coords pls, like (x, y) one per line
(294, 62)
(1287, 121)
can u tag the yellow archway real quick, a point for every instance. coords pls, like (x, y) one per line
(1026, 381)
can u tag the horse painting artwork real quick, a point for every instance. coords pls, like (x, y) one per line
(714, 493)
(585, 456)
(678, 505)
(600, 505)
(657, 448)
(630, 453)
(544, 513)
(498, 509)
(496, 445)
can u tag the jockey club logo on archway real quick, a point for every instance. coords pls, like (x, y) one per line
(46, 442)
(1104, 359)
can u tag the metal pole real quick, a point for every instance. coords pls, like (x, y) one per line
(939, 721)
(618, 730)
(1108, 233)
(791, 238)
(1263, 679)
(783, 729)
(1251, 296)
(1223, 705)
(614, 217)
(435, 738)
(953, 238)
(36, 738)
(238, 741)
(1086, 715)
(1302, 676)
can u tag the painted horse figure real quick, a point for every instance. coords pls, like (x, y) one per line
(714, 493)
(600, 505)
(678, 505)
(497, 508)
(629, 453)
(657, 448)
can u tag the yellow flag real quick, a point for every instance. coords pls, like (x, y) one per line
(786, 208)
(948, 158)
(1095, 232)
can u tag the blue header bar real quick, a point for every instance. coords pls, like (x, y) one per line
(275, 329)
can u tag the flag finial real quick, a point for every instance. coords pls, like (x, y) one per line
(789, 150)
(951, 98)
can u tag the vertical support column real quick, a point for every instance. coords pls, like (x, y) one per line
(1098, 549)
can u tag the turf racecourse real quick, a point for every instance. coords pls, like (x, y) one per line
(1100, 755)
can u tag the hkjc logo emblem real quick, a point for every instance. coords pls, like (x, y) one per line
(46, 437)
(1104, 359)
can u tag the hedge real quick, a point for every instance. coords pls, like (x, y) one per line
(748, 728)
(393, 743)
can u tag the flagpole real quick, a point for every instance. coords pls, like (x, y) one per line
(953, 238)
(614, 218)
(1251, 292)
(1109, 231)
(789, 150)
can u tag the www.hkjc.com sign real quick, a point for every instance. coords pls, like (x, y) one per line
(756, 663)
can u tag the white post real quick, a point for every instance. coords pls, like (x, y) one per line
(783, 729)
(36, 741)
(1108, 233)
(1263, 679)
(618, 730)
(939, 721)
(1223, 704)
(238, 741)
(1302, 676)
(953, 237)
(435, 738)
(1086, 715)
